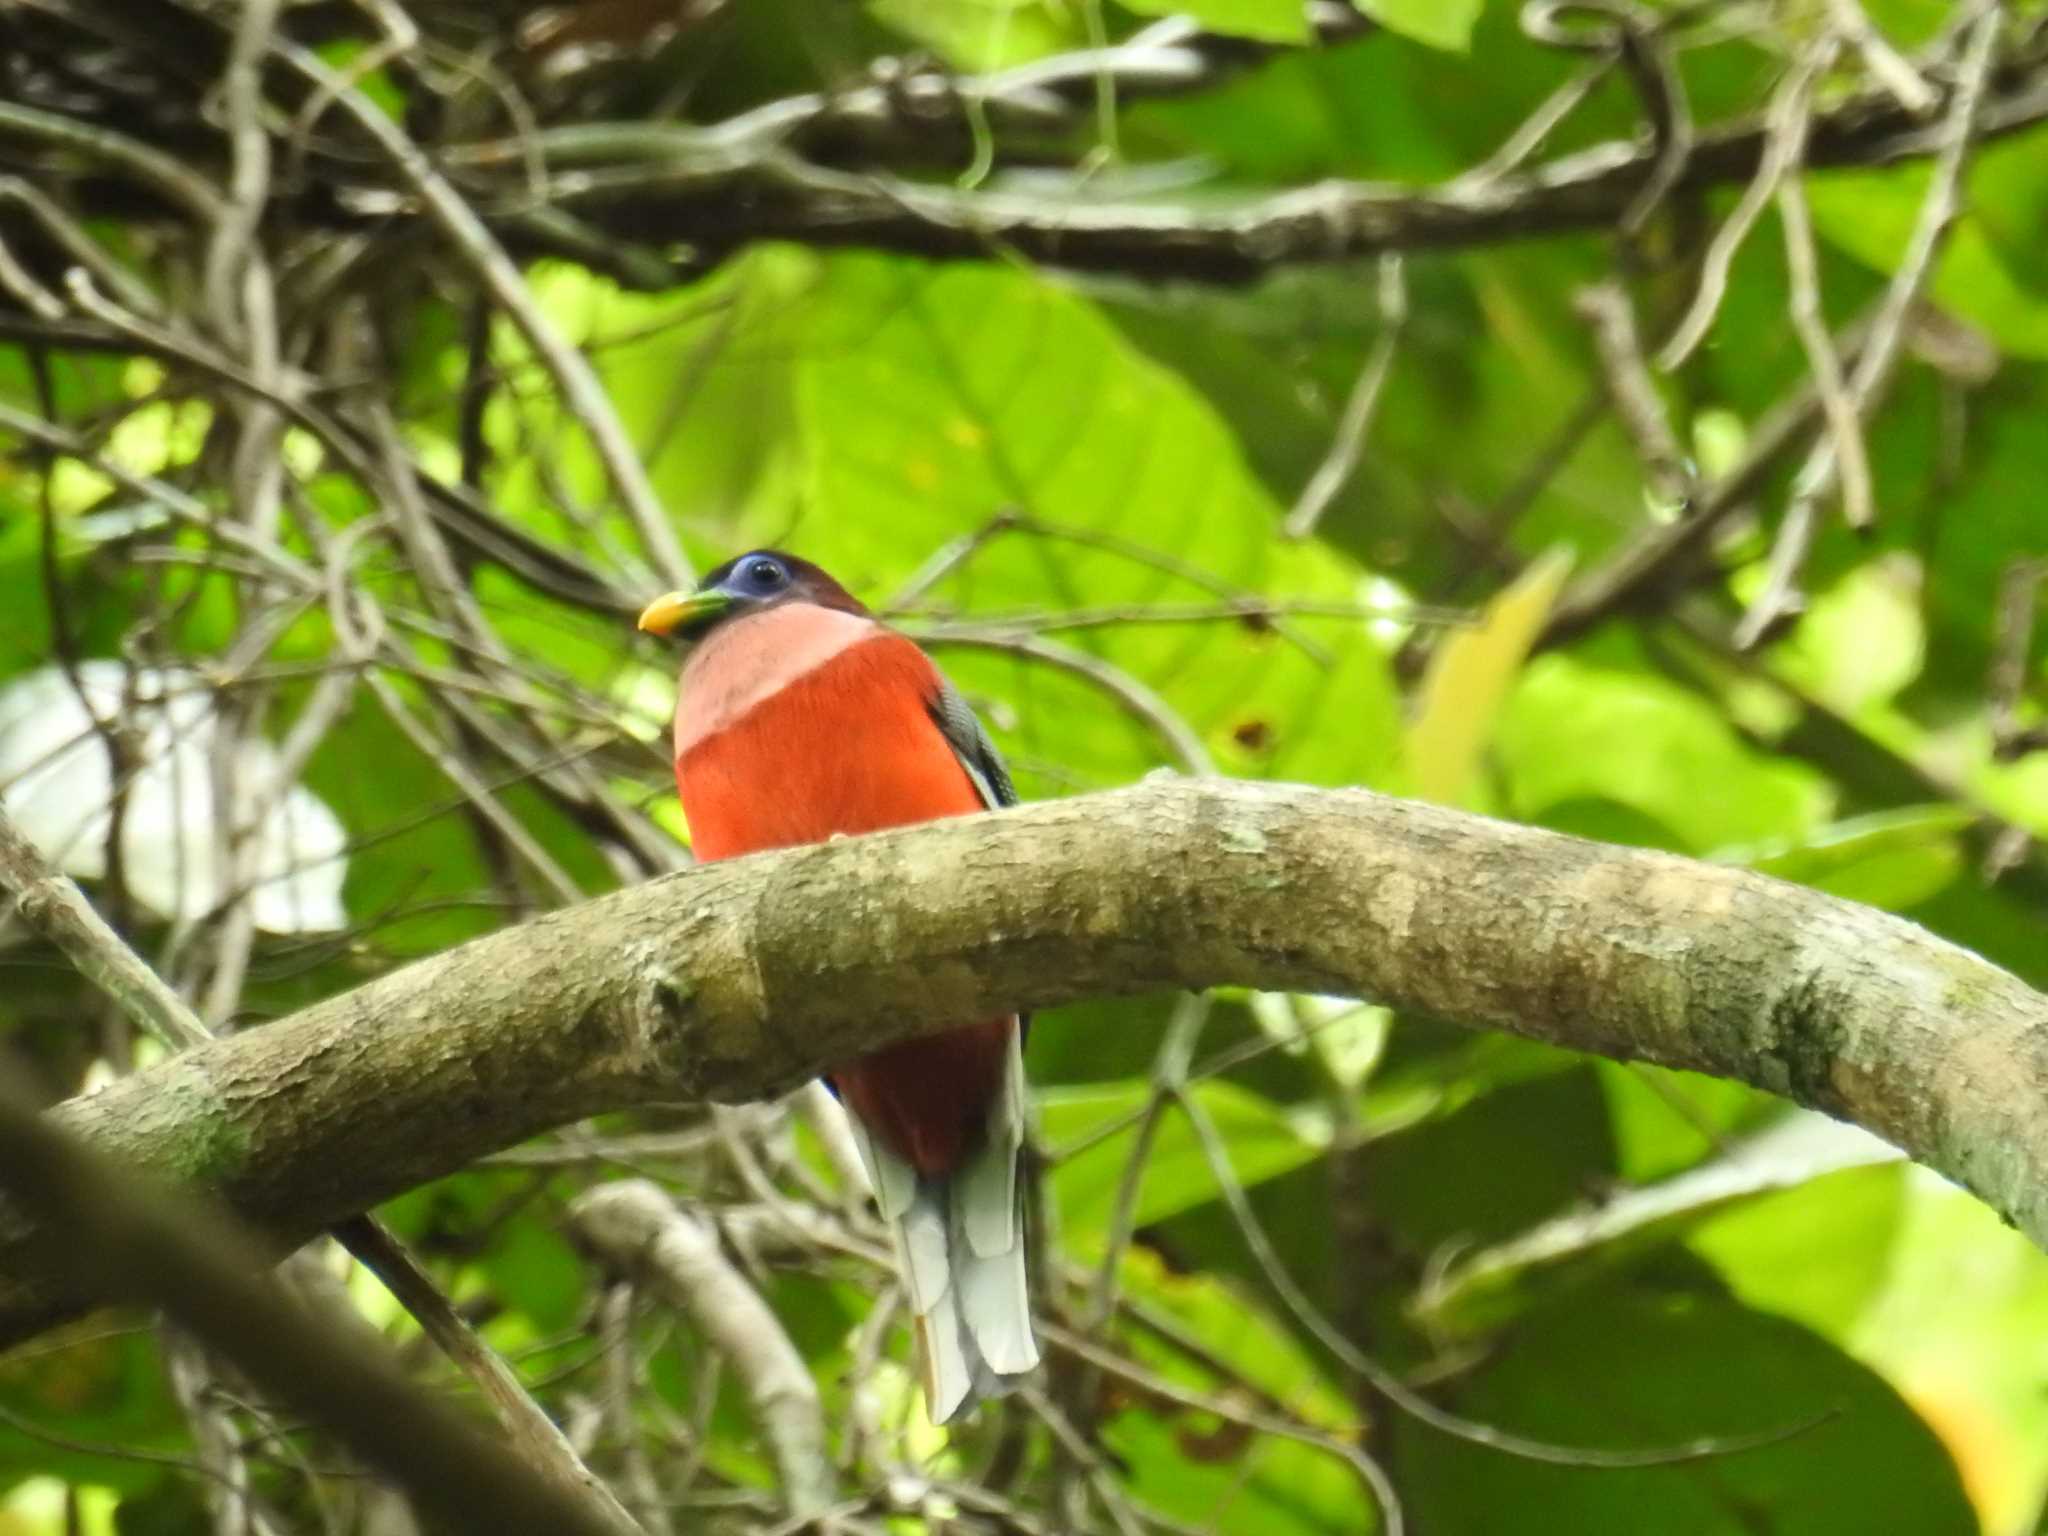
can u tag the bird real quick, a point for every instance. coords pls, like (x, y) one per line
(801, 717)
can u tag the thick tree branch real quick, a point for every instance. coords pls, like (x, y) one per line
(137, 1242)
(739, 979)
(621, 189)
(671, 190)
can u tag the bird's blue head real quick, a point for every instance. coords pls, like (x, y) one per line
(759, 579)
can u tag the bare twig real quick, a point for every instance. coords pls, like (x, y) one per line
(229, 1497)
(2013, 639)
(1667, 553)
(1838, 407)
(1347, 446)
(1607, 308)
(1141, 702)
(583, 395)
(639, 1231)
(621, 1390)
(1780, 598)
(1884, 62)
(1786, 125)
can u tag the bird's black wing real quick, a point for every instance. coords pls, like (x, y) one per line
(961, 727)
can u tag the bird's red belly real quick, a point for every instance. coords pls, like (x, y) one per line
(850, 748)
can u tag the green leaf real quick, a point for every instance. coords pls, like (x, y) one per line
(1092, 1131)
(1626, 1368)
(1439, 23)
(1509, 1158)
(1484, 1289)
(1961, 1325)
(1890, 859)
(1819, 1253)
(1267, 21)
(1990, 269)
(982, 35)
(1443, 1082)
(962, 393)
(1574, 731)
(1469, 678)
(1345, 1037)
(1234, 1327)
(1863, 641)
(1209, 1475)
(1665, 1122)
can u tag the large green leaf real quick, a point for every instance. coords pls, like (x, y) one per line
(1961, 1325)
(1484, 1288)
(963, 393)
(1627, 1368)
(1091, 1133)
(1271, 21)
(1439, 23)
(1574, 731)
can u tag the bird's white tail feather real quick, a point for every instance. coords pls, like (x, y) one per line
(960, 1245)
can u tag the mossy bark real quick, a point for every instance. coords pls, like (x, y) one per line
(740, 979)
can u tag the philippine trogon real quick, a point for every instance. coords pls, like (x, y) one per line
(799, 716)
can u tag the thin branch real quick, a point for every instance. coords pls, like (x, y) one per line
(1780, 598)
(1347, 446)
(621, 1387)
(1138, 700)
(1787, 123)
(1606, 307)
(1823, 362)
(2012, 645)
(639, 1231)
(583, 395)
(782, 197)
(1666, 553)
(1906, 84)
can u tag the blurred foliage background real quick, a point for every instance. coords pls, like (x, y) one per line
(1463, 400)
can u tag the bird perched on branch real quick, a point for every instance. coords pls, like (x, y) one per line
(799, 716)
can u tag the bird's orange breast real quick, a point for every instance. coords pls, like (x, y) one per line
(848, 746)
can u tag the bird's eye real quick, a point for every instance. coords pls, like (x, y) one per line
(765, 573)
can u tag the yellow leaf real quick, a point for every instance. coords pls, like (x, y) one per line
(1469, 678)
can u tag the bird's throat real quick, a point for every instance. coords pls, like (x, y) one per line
(749, 660)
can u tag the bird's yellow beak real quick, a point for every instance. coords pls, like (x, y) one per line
(676, 613)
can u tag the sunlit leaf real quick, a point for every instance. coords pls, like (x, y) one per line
(1573, 731)
(1271, 21)
(1890, 859)
(1470, 674)
(1439, 23)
